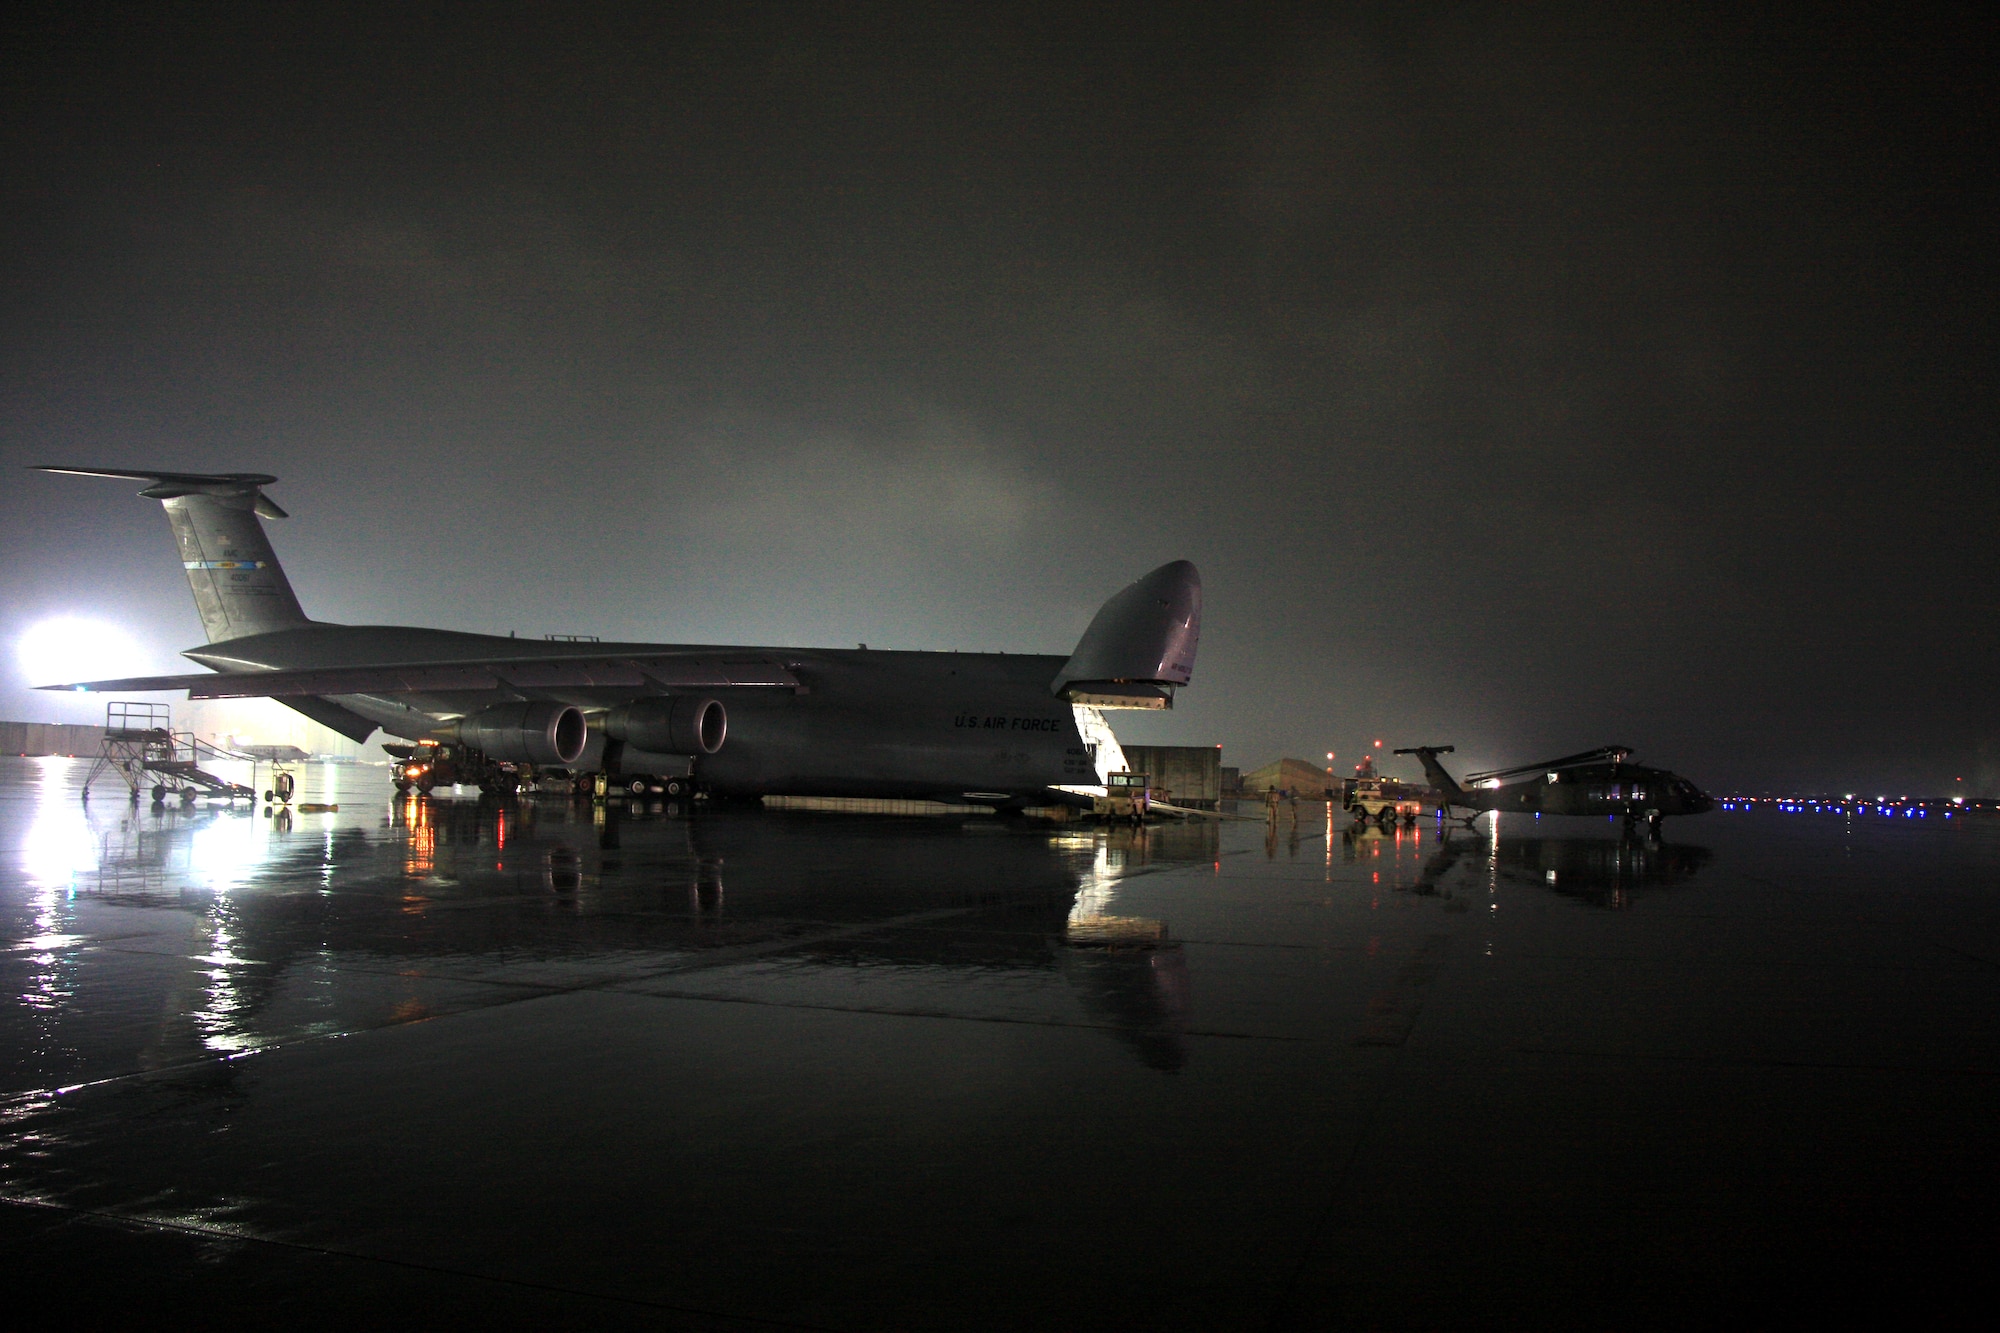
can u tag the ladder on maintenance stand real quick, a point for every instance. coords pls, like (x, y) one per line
(143, 749)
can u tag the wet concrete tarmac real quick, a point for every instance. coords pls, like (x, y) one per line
(547, 1064)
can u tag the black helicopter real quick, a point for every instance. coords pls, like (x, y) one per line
(1595, 782)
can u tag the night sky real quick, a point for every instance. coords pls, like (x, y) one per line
(1522, 377)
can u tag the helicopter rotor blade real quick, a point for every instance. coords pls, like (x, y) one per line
(1607, 753)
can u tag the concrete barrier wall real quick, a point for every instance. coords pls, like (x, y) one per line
(42, 738)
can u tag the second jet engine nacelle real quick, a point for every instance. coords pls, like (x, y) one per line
(682, 724)
(525, 733)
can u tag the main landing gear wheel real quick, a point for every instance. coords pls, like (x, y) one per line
(675, 787)
(636, 787)
(283, 785)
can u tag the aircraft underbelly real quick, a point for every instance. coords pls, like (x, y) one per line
(408, 718)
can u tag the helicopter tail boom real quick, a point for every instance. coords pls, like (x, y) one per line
(1448, 791)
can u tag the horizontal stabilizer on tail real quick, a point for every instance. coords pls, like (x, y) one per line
(239, 590)
(174, 485)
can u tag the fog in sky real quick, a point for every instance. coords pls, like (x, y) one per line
(1525, 377)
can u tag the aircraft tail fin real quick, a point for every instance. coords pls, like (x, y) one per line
(239, 587)
(1141, 644)
(1433, 770)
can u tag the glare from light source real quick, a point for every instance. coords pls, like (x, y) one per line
(64, 649)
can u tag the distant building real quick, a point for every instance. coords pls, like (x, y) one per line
(1295, 775)
(50, 738)
(1192, 774)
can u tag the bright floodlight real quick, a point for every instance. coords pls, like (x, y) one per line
(71, 648)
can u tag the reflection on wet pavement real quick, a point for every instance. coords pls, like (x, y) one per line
(544, 896)
(941, 1071)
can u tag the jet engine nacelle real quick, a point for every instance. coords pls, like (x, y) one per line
(530, 733)
(681, 724)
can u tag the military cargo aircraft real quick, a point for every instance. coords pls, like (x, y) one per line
(1001, 729)
(1595, 782)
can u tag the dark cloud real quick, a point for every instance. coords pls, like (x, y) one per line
(1519, 376)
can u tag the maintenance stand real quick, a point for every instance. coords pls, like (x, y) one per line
(140, 743)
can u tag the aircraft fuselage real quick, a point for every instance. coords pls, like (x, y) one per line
(1603, 789)
(859, 722)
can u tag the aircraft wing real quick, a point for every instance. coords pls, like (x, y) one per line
(635, 673)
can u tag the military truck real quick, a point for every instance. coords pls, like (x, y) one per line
(429, 764)
(1384, 800)
(1127, 796)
